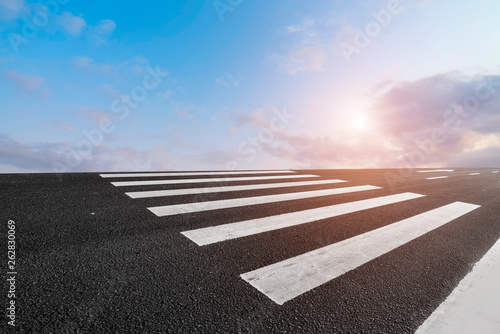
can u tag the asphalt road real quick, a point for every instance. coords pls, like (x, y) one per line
(90, 259)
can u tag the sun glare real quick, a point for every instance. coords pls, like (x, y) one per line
(360, 122)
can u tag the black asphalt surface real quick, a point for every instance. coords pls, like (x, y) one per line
(92, 260)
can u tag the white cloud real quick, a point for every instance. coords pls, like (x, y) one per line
(74, 25)
(88, 64)
(108, 90)
(303, 58)
(183, 114)
(26, 82)
(17, 156)
(258, 118)
(102, 31)
(141, 60)
(82, 62)
(219, 115)
(304, 25)
(62, 125)
(93, 115)
(13, 5)
(226, 80)
(448, 119)
(105, 27)
(166, 95)
(77, 26)
(11, 9)
(307, 51)
(10, 58)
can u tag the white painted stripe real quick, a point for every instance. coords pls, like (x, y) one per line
(473, 306)
(214, 179)
(494, 172)
(290, 278)
(210, 235)
(197, 173)
(437, 177)
(435, 170)
(169, 210)
(474, 173)
(191, 191)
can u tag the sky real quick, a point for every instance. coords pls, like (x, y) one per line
(89, 86)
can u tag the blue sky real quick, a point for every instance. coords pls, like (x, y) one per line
(203, 85)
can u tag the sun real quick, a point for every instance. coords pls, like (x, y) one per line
(360, 122)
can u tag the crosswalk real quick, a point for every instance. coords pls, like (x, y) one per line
(285, 280)
(206, 190)
(288, 279)
(168, 210)
(206, 180)
(219, 233)
(439, 176)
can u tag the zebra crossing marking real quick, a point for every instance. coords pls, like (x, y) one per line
(437, 177)
(285, 280)
(214, 234)
(206, 180)
(195, 173)
(473, 305)
(169, 210)
(290, 278)
(194, 191)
